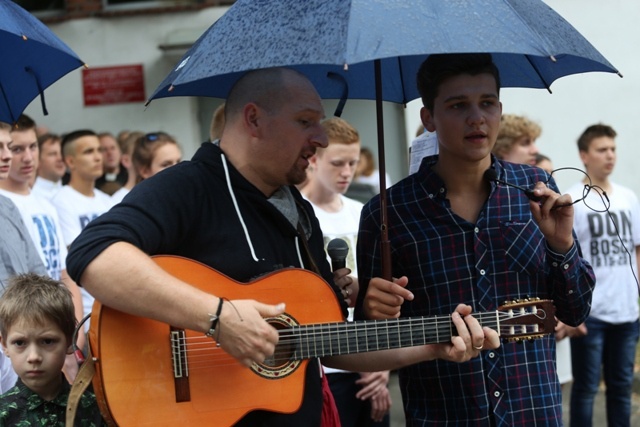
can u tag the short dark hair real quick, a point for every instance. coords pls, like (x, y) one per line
(593, 132)
(24, 123)
(439, 67)
(44, 138)
(72, 136)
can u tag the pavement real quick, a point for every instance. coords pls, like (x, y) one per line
(599, 420)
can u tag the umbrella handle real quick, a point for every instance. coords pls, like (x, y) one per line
(385, 245)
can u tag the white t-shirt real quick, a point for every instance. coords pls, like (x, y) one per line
(41, 219)
(45, 188)
(119, 195)
(75, 211)
(342, 224)
(615, 297)
(8, 376)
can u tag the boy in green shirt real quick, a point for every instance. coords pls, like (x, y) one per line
(37, 323)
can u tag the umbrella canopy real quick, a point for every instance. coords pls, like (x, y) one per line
(372, 49)
(333, 41)
(32, 57)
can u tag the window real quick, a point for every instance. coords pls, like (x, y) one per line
(38, 7)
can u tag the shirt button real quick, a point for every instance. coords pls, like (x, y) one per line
(555, 264)
(566, 266)
(496, 393)
(442, 190)
(570, 292)
(430, 196)
(492, 355)
(482, 272)
(477, 230)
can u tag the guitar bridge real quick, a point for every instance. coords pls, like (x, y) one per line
(180, 365)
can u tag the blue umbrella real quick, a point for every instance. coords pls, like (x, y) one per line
(32, 58)
(337, 41)
(372, 49)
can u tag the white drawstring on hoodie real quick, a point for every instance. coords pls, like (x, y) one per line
(244, 226)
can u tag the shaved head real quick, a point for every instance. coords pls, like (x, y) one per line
(267, 88)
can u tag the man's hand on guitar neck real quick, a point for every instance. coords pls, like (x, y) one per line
(384, 299)
(244, 334)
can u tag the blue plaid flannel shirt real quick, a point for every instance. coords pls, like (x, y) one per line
(448, 261)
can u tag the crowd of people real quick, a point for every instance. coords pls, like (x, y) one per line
(81, 219)
(51, 187)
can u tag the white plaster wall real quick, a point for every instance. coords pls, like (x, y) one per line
(124, 41)
(581, 100)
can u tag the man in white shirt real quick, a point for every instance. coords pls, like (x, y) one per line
(17, 251)
(79, 202)
(51, 168)
(38, 214)
(362, 398)
(115, 174)
(610, 240)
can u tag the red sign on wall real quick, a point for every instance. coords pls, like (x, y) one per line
(113, 85)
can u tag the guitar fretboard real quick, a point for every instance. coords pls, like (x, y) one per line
(371, 335)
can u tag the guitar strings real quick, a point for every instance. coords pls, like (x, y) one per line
(373, 327)
(290, 340)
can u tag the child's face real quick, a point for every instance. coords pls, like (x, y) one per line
(37, 354)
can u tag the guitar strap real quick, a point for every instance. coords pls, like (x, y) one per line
(79, 386)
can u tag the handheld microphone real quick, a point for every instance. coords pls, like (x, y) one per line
(338, 250)
(491, 175)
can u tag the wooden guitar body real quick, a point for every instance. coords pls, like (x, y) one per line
(135, 371)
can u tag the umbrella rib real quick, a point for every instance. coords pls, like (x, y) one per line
(533, 65)
(6, 101)
(40, 90)
(404, 93)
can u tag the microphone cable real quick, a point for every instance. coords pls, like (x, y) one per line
(606, 203)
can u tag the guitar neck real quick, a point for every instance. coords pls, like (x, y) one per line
(330, 339)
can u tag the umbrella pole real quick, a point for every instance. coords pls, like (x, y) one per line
(385, 251)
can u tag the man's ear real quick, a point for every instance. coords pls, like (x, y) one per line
(125, 159)
(4, 347)
(427, 119)
(251, 115)
(145, 172)
(313, 160)
(584, 156)
(68, 161)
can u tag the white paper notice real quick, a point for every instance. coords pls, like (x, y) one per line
(423, 146)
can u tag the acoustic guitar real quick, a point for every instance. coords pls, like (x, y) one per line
(151, 374)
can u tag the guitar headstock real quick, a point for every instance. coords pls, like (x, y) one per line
(526, 319)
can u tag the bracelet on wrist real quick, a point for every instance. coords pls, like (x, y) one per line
(214, 319)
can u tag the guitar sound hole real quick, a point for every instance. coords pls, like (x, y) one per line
(285, 347)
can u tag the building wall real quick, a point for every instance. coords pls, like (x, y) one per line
(126, 40)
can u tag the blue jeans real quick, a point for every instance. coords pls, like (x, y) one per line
(612, 348)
